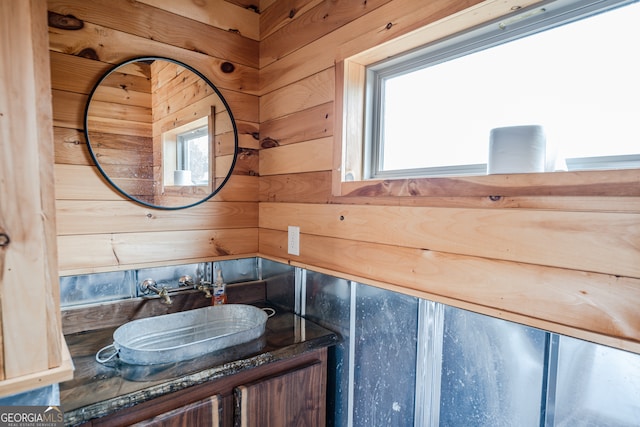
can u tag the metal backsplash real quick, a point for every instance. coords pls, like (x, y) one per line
(406, 361)
(118, 285)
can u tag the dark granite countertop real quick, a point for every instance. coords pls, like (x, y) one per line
(100, 389)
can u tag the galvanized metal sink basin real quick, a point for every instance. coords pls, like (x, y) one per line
(180, 336)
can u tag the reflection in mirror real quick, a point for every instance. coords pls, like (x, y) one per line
(161, 133)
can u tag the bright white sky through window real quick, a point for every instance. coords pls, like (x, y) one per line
(580, 81)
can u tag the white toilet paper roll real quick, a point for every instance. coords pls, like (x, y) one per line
(181, 177)
(517, 149)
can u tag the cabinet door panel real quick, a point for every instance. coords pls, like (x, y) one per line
(205, 412)
(295, 398)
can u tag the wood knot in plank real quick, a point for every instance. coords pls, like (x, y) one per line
(292, 13)
(389, 25)
(413, 188)
(269, 143)
(89, 53)
(255, 135)
(245, 153)
(64, 22)
(227, 67)
(220, 250)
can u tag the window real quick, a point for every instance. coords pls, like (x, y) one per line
(193, 154)
(570, 66)
(186, 154)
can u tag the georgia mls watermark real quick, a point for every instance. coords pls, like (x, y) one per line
(31, 416)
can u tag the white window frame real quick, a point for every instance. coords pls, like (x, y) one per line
(182, 145)
(529, 21)
(349, 178)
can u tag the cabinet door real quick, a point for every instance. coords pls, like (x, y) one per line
(294, 398)
(205, 412)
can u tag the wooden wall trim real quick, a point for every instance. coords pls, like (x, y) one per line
(597, 307)
(610, 183)
(600, 242)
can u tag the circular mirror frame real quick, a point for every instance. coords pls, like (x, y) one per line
(106, 176)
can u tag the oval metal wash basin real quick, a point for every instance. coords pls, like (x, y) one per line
(180, 336)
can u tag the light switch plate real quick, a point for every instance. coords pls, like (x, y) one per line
(294, 240)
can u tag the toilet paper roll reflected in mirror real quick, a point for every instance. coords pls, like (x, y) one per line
(517, 149)
(181, 177)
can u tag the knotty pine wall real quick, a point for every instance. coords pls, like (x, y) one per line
(557, 252)
(547, 253)
(99, 230)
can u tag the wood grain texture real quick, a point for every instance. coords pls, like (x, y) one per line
(113, 46)
(131, 249)
(313, 123)
(306, 93)
(68, 109)
(308, 156)
(70, 147)
(73, 73)
(295, 398)
(205, 412)
(545, 266)
(297, 86)
(25, 124)
(96, 217)
(370, 30)
(217, 13)
(307, 187)
(27, 209)
(90, 209)
(597, 242)
(76, 74)
(223, 386)
(596, 307)
(163, 26)
(76, 182)
(572, 204)
(309, 22)
(278, 14)
(613, 183)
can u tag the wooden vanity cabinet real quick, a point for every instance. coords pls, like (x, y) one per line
(283, 393)
(292, 398)
(206, 412)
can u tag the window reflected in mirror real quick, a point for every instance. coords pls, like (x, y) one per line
(161, 133)
(187, 154)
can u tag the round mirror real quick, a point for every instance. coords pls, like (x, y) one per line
(161, 133)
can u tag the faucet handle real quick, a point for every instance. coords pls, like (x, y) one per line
(186, 281)
(147, 285)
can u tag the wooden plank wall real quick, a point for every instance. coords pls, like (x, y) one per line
(557, 259)
(32, 350)
(544, 256)
(120, 120)
(99, 230)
